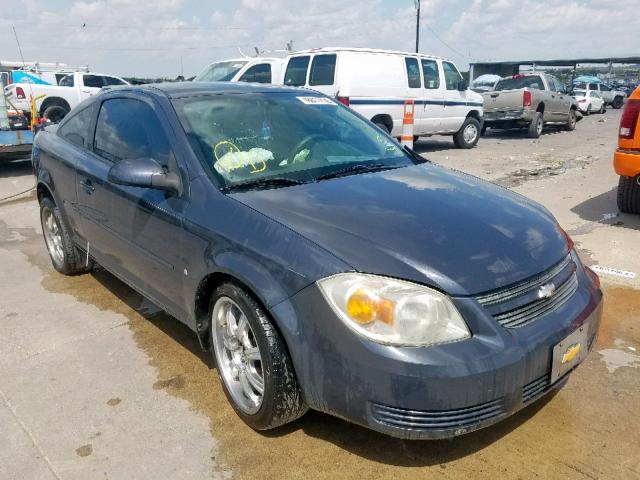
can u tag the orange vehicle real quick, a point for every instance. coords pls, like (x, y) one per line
(626, 160)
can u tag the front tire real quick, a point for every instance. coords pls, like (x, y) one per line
(65, 256)
(252, 361)
(617, 102)
(628, 195)
(536, 126)
(468, 135)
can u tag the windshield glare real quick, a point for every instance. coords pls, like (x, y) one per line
(579, 93)
(244, 138)
(220, 72)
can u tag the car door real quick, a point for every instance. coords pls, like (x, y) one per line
(555, 102)
(455, 102)
(433, 105)
(91, 84)
(134, 232)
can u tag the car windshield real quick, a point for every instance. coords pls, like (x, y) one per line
(514, 83)
(285, 137)
(579, 93)
(220, 71)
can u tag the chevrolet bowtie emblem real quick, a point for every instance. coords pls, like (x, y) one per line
(547, 290)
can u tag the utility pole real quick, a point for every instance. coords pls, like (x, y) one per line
(417, 4)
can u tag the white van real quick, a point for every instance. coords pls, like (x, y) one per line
(247, 69)
(376, 83)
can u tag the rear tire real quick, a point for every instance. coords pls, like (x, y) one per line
(55, 113)
(536, 126)
(572, 119)
(628, 195)
(468, 135)
(382, 126)
(588, 112)
(617, 102)
(258, 358)
(602, 109)
(65, 256)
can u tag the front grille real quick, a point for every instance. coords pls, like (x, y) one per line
(520, 304)
(437, 419)
(533, 390)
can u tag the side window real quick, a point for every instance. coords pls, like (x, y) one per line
(552, 84)
(296, 74)
(430, 73)
(112, 81)
(451, 75)
(593, 86)
(66, 81)
(92, 81)
(260, 73)
(413, 72)
(128, 129)
(75, 129)
(604, 88)
(323, 69)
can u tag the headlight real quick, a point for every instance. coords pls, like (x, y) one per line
(393, 311)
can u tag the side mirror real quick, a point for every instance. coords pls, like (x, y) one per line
(463, 85)
(145, 172)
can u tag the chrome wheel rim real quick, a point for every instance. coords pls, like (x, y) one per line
(237, 355)
(52, 235)
(539, 126)
(470, 133)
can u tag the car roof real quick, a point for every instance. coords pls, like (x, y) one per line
(365, 50)
(189, 89)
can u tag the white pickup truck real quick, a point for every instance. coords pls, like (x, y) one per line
(55, 101)
(612, 97)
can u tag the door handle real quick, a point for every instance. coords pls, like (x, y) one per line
(87, 184)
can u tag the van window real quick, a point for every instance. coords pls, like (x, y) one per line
(296, 74)
(413, 72)
(451, 75)
(430, 73)
(323, 69)
(259, 73)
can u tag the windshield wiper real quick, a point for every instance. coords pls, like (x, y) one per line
(263, 183)
(355, 169)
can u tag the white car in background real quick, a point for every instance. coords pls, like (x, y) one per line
(376, 83)
(589, 101)
(246, 69)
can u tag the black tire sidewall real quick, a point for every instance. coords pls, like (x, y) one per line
(60, 110)
(271, 350)
(533, 126)
(72, 263)
(458, 137)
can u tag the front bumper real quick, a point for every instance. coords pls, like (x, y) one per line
(429, 392)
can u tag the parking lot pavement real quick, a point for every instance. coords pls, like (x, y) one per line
(97, 383)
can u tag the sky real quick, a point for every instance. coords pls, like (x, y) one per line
(150, 38)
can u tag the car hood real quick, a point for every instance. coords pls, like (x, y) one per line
(422, 223)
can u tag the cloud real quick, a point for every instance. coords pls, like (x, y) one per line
(154, 37)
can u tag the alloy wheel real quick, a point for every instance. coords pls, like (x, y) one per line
(237, 354)
(52, 235)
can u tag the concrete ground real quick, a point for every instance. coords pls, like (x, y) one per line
(97, 383)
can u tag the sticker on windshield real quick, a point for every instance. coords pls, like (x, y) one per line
(316, 100)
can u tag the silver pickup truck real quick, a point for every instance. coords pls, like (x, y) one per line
(529, 101)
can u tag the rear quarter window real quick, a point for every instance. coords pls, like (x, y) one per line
(75, 128)
(296, 73)
(323, 69)
(92, 81)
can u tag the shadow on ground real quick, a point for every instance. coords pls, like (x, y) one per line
(15, 168)
(352, 438)
(601, 207)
